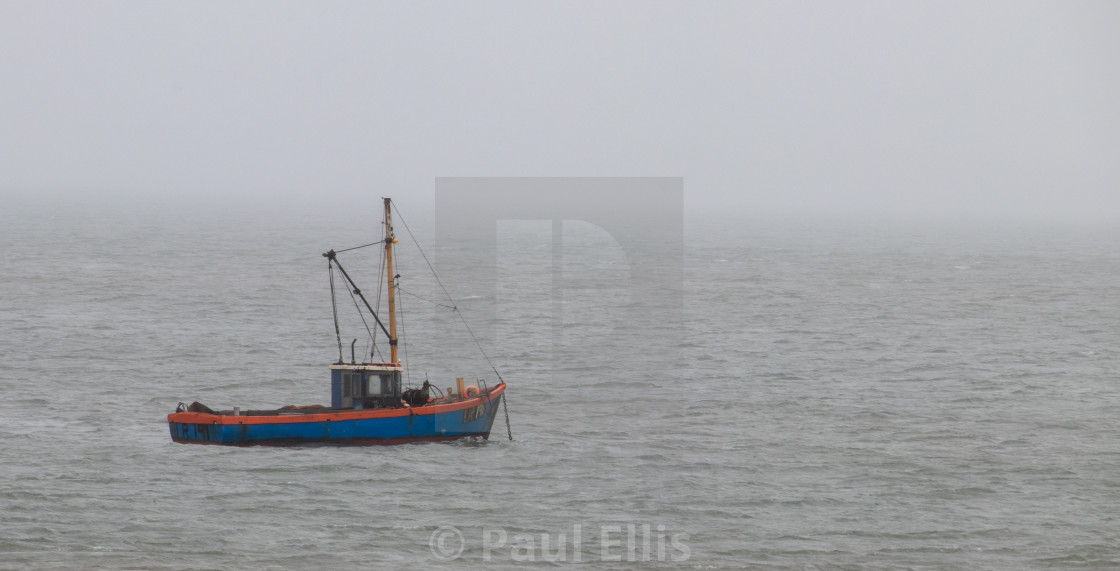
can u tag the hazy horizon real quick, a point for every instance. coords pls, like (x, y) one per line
(868, 109)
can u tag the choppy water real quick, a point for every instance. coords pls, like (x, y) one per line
(849, 395)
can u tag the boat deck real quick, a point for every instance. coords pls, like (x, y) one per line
(295, 410)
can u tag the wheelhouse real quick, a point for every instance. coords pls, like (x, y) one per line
(365, 385)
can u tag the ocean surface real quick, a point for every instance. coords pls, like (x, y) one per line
(808, 394)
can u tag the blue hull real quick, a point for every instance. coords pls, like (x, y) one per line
(442, 422)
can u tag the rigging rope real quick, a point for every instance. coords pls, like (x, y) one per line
(455, 306)
(380, 284)
(334, 309)
(360, 314)
(425, 299)
(407, 369)
(362, 246)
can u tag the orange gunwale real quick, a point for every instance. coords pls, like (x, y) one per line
(204, 418)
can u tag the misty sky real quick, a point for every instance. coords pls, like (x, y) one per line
(1007, 108)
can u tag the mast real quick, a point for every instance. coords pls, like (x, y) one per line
(389, 241)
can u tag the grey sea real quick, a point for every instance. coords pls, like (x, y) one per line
(826, 394)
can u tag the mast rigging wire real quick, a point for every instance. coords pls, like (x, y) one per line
(362, 246)
(404, 348)
(334, 309)
(360, 314)
(380, 284)
(455, 306)
(436, 303)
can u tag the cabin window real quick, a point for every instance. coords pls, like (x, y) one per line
(381, 385)
(352, 385)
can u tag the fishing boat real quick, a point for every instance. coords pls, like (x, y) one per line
(368, 405)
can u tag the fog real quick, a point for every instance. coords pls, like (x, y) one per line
(880, 109)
